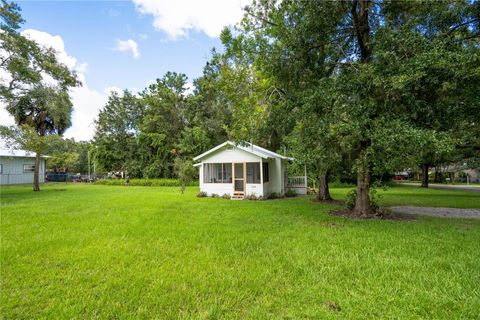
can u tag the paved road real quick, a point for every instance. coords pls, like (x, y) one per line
(445, 186)
(438, 212)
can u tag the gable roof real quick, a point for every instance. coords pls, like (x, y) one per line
(18, 153)
(248, 147)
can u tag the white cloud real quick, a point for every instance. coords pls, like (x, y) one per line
(189, 88)
(109, 90)
(128, 45)
(86, 102)
(178, 17)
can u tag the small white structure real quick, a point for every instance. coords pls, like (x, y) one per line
(18, 166)
(241, 170)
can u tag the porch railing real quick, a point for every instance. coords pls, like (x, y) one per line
(298, 184)
(297, 181)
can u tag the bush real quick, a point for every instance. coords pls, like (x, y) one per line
(339, 184)
(351, 198)
(226, 196)
(290, 193)
(144, 182)
(275, 195)
(214, 195)
(251, 197)
(185, 172)
(201, 194)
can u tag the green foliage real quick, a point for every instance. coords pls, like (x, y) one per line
(339, 184)
(251, 197)
(185, 171)
(144, 134)
(24, 62)
(201, 194)
(144, 182)
(350, 199)
(38, 109)
(377, 87)
(275, 195)
(290, 193)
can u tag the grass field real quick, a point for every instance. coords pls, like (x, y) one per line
(86, 251)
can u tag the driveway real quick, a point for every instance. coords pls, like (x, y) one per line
(438, 212)
(473, 188)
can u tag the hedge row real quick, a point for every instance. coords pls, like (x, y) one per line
(143, 182)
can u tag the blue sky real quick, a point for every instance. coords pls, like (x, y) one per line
(89, 30)
(115, 45)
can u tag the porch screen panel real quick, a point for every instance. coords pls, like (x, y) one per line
(266, 175)
(217, 173)
(253, 172)
(227, 172)
(217, 167)
(207, 173)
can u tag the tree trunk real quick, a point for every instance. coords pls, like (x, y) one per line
(323, 191)
(424, 176)
(36, 178)
(362, 202)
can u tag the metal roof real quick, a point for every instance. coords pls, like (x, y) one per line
(248, 147)
(18, 153)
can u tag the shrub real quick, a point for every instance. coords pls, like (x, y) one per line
(226, 196)
(185, 172)
(214, 195)
(144, 182)
(290, 193)
(251, 197)
(275, 195)
(339, 184)
(201, 194)
(351, 198)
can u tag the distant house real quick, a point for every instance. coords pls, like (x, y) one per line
(18, 166)
(244, 170)
(462, 173)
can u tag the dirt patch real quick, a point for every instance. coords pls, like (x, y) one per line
(332, 305)
(384, 215)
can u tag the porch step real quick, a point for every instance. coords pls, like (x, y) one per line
(238, 196)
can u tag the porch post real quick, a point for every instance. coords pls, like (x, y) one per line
(261, 171)
(306, 179)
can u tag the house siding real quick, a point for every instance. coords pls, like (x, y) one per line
(12, 170)
(228, 156)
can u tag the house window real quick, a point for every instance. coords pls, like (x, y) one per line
(28, 168)
(1, 168)
(253, 172)
(266, 175)
(217, 173)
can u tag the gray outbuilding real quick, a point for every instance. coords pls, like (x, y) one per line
(18, 166)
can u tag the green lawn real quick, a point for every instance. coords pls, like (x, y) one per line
(84, 251)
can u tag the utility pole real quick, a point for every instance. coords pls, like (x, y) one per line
(88, 155)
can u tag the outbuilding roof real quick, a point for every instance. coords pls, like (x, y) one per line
(18, 153)
(248, 147)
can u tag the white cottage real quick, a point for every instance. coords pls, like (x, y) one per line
(243, 170)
